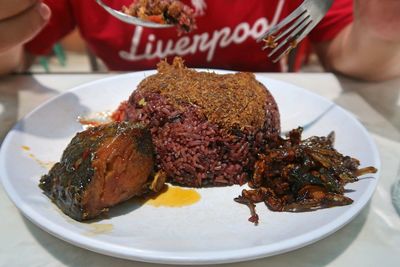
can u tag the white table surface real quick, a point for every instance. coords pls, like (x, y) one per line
(371, 239)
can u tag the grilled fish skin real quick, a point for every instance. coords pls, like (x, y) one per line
(101, 167)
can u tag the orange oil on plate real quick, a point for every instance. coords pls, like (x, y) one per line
(44, 164)
(99, 228)
(26, 148)
(174, 197)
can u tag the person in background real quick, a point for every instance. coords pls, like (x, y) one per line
(358, 38)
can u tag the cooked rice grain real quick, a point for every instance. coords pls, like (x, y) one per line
(190, 149)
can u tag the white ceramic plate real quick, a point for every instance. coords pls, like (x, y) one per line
(215, 229)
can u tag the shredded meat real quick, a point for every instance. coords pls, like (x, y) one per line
(231, 100)
(295, 175)
(163, 12)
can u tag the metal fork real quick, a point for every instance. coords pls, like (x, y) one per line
(296, 26)
(130, 19)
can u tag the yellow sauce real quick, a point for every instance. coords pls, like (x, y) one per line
(175, 197)
(99, 228)
(44, 164)
(94, 228)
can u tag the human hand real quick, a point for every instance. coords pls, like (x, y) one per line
(20, 21)
(380, 18)
(372, 40)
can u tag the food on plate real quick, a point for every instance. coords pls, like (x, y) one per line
(207, 128)
(198, 129)
(301, 175)
(163, 12)
(101, 167)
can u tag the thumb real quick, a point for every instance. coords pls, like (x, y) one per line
(23, 27)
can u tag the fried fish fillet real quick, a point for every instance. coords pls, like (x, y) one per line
(100, 168)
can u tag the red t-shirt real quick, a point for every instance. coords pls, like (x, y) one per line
(224, 38)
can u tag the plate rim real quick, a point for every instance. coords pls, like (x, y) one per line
(230, 256)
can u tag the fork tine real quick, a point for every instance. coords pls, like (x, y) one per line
(301, 21)
(292, 36)
(284, 53)
(306, 29)
(297, 12)
(293, 26)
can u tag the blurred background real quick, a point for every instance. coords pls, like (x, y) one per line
(71, 55)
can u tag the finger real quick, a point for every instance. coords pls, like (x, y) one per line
(23, 27)
(12, 8)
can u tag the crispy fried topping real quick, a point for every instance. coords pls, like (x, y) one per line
(230, 100)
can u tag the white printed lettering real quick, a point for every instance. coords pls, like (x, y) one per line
(203, 42)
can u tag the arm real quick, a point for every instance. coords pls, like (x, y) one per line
(20, 21)
(369, 48)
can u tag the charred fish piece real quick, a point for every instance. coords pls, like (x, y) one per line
(101, 167)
